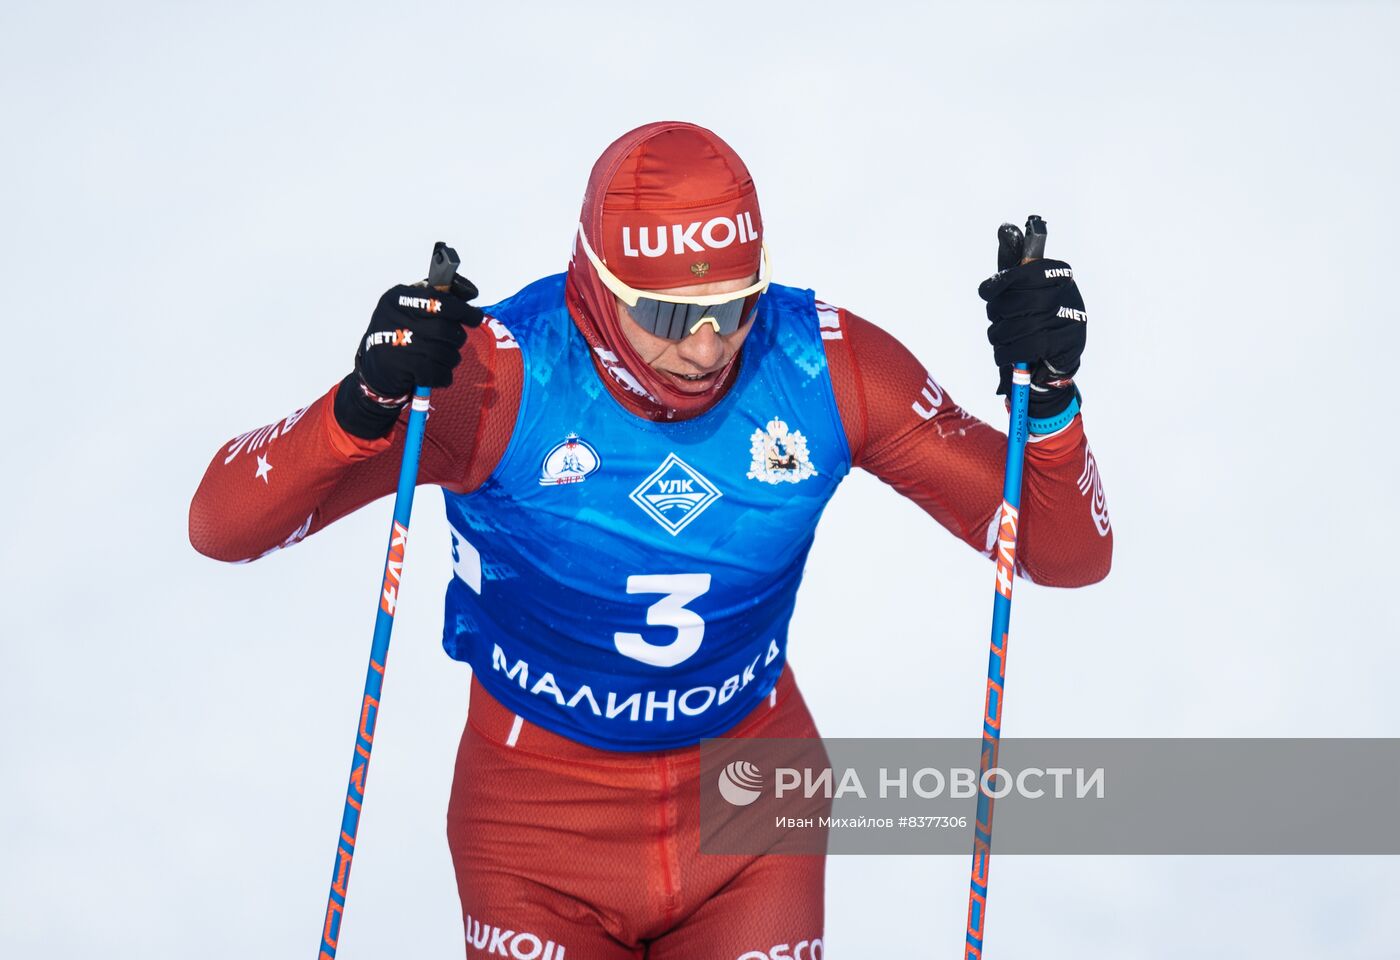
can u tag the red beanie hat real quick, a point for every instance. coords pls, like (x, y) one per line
(668, 204)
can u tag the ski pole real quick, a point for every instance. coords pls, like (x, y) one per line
(440, 273)
(1010, 252)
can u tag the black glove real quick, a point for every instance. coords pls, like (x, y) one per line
(1038, 319)
(414, 339)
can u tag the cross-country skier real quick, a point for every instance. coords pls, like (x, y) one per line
(618, 608)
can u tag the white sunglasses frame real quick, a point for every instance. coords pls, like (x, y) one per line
(630, 295)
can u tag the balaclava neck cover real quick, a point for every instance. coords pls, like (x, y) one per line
(668, 204)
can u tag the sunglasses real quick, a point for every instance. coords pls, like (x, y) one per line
(676, 317)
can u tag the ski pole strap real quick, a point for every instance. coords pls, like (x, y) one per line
(1061, 420)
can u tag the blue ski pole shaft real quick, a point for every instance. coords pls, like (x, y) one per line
(374, 678)
(1007, 526)
(996, 661)
(444, 259)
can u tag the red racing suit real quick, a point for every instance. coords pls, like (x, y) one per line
(619, 831)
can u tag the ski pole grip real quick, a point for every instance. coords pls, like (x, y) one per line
(1036, 233)
(443, 267)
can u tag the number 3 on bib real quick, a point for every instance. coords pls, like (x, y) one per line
(669, 611)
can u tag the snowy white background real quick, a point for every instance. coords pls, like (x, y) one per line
(199, 204)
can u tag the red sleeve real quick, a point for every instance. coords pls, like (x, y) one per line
(273, 486)
(905, 429)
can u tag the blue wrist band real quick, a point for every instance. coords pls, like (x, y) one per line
(1058, 421)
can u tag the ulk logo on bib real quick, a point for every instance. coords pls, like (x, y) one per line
(675, 494)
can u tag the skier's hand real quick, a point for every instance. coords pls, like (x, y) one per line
(1037, 318)
(414, 339)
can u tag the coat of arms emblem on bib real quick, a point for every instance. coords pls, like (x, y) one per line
(779, 455)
